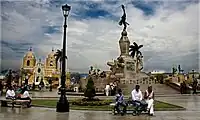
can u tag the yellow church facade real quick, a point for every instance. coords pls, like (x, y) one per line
(36, 71)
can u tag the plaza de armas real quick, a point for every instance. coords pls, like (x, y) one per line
(52, 73)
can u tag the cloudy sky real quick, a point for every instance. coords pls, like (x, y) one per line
(168, 29)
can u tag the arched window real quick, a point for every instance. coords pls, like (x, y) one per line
(28, 63)
(39, 70)
(51, 63)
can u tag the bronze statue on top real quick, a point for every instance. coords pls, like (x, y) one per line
(123, 19)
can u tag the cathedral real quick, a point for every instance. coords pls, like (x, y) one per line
(35, 71)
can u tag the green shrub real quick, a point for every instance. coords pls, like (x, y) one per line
(90, 89)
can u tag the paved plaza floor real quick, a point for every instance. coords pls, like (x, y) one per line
(54, 94)
(191, 102)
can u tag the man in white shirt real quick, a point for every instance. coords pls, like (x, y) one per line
(136, 94)
(10, 94)
(137, 97)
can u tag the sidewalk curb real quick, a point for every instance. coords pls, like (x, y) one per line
(158, 109)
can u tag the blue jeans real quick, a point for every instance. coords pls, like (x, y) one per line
(140, 105)
(120, 104)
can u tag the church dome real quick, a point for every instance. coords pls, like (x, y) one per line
(50, 55)
(30, 54)
(29, 60)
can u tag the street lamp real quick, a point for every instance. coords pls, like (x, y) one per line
(63, 104)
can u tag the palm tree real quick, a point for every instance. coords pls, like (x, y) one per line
(134, 50)
(135, 53)
(58, 56)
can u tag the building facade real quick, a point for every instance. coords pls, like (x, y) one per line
(35, 70)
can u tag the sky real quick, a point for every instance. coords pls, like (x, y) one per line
(168, 29)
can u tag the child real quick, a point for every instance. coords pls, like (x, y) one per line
(120, 102)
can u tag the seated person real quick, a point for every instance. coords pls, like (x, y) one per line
(10, 94)
(149, 98)
(25, 96)
(137, 98)
(120, 102)
(18, 92)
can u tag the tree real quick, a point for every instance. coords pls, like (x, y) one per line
(134, 50)
(90, 89)
(135, 53)
(58, 56)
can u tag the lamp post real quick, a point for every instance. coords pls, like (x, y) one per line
(63, 104)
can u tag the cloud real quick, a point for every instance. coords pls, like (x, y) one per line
(168, 30)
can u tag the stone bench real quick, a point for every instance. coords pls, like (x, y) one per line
(13, 102)
(130, 109)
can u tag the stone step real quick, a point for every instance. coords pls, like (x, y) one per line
(157, 88)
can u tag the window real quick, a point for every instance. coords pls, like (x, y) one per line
(150, 82)
(28, 63)
(39, 70)
(131, 82)
(51, 63)
(123, 82)
(137, 81)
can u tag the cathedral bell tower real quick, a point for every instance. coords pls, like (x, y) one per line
(29, 60)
